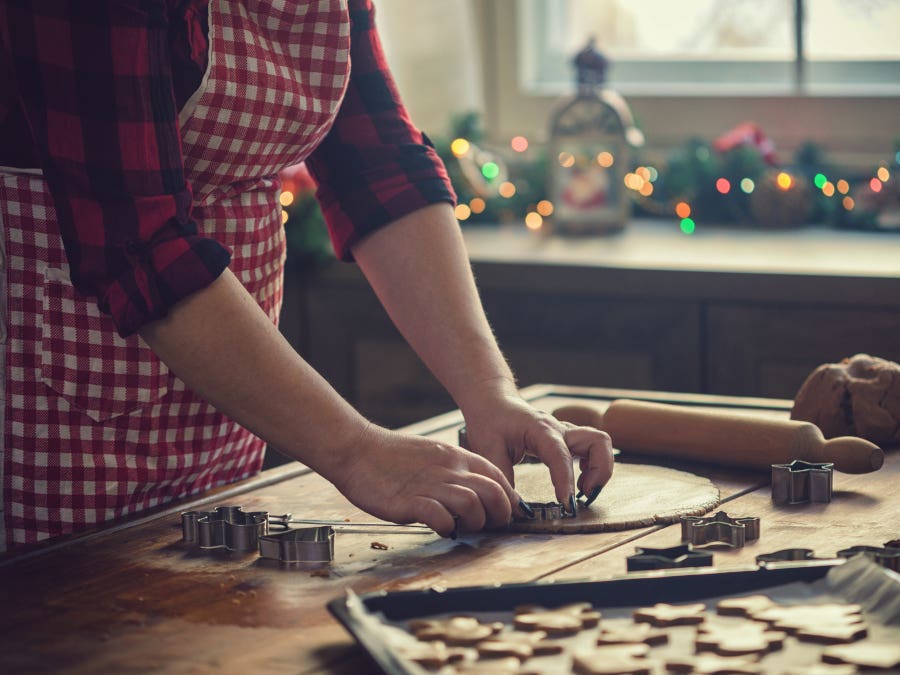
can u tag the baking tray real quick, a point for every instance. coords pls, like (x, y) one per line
(369, 617)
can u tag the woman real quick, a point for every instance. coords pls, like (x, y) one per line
(141, 142)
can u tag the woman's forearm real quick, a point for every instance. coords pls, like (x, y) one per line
(420, 271)
(226, 349)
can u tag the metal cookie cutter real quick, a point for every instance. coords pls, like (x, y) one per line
(228, 527)
(887, 556)
(786, 555)
(548, 511)
(305, 545)
(800, 482)
(666, 558)
(720, 529)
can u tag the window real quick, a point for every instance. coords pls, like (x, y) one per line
(719, 47)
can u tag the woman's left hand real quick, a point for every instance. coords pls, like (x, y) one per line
(504, 428)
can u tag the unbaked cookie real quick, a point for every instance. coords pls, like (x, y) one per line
(866, 654)
(566, 620)
(629, 659)
(458, 631)
(662, 614)
(739, 640)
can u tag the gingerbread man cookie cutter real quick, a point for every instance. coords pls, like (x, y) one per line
(800, 482)
(719, 530)
(228, 527)
(233, 529)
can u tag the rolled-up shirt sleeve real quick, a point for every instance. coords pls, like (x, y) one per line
(374, 166)
(94, 81)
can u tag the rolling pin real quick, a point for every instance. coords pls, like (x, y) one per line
(721, 437)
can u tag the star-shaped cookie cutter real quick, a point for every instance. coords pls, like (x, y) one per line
(667, 558)
(719, 530)
(799, 482)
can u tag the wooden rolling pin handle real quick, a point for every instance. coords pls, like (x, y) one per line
(850, 454)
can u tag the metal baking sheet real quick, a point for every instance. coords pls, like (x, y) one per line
(374, 619)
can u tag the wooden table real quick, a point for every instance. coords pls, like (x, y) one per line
(134, 598)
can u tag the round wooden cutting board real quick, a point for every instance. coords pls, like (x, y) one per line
(637, 495)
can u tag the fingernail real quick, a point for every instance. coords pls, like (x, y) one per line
(455, 532)
(594, 494)
(579, 495)
(573, 508)
(526, 507)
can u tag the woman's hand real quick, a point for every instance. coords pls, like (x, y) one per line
(410, 479)
(504, 428)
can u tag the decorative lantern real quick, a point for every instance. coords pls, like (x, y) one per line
(590, 137)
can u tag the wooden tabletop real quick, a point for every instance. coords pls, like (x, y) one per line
(135, 598)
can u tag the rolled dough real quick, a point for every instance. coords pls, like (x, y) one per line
(637, 495)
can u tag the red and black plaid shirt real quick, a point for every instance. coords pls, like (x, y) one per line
(90, 93)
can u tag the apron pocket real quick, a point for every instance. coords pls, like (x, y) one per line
(86, 362)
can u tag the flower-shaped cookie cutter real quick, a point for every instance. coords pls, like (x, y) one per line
(719, 530)
(800, 482)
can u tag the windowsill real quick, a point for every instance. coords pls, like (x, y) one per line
(660, 245)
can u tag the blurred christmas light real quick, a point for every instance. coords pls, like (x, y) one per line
(688, 226)
(477, 205)
(848, 203)
(883, 174)
(545, 208)
(462, 212)
(654, 174)
(875, 185)
(286, 198)
(747, 185)
(284, 217)
(633, 181)
(533, 220)
(643, 172)
(605, 159)
(646, 189)
(519, 143)
(459, 147)
(723, 186)
(506, 189)
(828, 189)
(784, 180)
(682, 209)
(820, 180)
(843, 186)
(490, 170)
(566, 159)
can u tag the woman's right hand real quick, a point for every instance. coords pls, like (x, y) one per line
(411, 479)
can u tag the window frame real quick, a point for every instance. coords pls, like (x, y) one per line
(855, 125)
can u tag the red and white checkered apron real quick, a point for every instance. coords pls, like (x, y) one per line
(96, 426)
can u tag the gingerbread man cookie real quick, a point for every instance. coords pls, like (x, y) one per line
(458, 631)
(662, 614)
(865, 654)
(744, 606)
(708, 664)
(520, 645)
(567, 620)
(626, 658)
(433, 655)
(632, 634)
(744, 640)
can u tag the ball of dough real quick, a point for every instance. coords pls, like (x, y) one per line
(860, 396)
